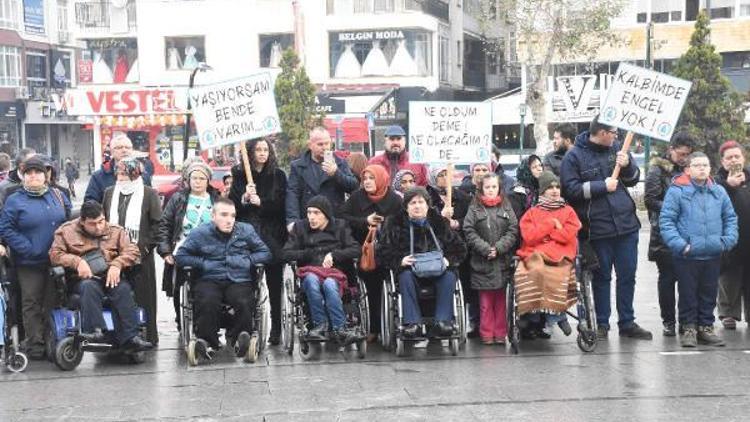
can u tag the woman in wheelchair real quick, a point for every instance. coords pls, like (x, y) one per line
(545, 277)
(323, 248)
(223, 254)
(419, 246)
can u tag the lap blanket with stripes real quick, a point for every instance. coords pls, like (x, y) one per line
(544, 286)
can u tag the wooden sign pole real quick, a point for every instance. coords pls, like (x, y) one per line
(625, 149)
(246, 163)
(449, 189)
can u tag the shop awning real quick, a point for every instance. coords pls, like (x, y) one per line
(351, 130)
(505, 111)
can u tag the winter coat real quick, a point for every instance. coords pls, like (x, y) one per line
(170, 224)
(222, 257)
(307, 179)
(9, 185)
(269, 219)
(150, 218)
(583, 171)
(552, 162)
(460, 203)
(539, 234)
(699, 216)
(484, 228)
(740, 197)
(660, 174)
(28, 224)
(522, 199)
(72, 242)
(104, 178)
(71, 172)
(394, 243)
(421, 174)
(359, 206)
(308, 247)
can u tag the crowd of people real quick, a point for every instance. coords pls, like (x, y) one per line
(559, 207)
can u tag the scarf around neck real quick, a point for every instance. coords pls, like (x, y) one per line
(40, 191)
(135, 190)
(491, 202)
(549, 204)
(418, 222)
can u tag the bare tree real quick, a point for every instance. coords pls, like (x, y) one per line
(552, 31)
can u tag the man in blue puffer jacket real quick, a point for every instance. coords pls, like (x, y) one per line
(607, 212)
(698, 224)
(224, 254)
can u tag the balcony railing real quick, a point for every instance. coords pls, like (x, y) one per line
(436, 8)
(97, 14)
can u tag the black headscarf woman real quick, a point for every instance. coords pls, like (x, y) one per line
(525, 192)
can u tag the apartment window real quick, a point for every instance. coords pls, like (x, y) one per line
(36, 71)
(109, 60)
(744, 7)
(445, 57)
(495, 56)
(272, 46)
(184, 53)
(720, 9)
(10, 66)
(9, 11)
(737, 59)
(62, 15)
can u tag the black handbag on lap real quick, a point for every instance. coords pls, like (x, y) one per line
(427, 264)
(96, 261)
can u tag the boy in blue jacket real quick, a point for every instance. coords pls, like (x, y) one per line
(697, 224)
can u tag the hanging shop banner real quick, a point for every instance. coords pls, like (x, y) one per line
(450, 132)
(645, 102)
(235, 111)
(111, 101)
(33, 16)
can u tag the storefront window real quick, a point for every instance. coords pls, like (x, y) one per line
(60, 69)
(184, 53)
(109, 61)
(9, 11)
(10, 66)
(271, 47)
(386, 52)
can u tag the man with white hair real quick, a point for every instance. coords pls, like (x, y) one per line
(120, 147)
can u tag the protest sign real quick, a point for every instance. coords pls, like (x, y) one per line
(645, 102)
(235, 111)
(450, 132)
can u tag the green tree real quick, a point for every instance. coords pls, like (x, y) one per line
(295, 100)
(548, 32)
(713, 111)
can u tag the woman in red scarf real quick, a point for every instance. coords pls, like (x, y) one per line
(491, 231)
(368, 207)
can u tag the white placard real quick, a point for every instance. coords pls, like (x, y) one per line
(645, 102)
(235, 111)
(450, 132)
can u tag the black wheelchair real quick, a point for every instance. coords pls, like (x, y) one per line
(261, 317)
(392, 317)
(10, 354)
(65, 342)
(585, 314)
(296, 320)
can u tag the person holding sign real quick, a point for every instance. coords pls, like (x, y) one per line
(317, 172)
(260, 202)
(395, 157)
(609, 220)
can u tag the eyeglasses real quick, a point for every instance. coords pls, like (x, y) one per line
(612, 131)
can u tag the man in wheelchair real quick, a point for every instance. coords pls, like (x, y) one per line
(223, 254)
(323, 247)
(97, 253)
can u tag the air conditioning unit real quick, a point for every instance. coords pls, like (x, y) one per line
(22, 93)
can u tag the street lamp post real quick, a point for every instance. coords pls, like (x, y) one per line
(202, 67)
(522, 113)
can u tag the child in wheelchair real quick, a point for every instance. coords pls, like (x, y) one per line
(545, 279)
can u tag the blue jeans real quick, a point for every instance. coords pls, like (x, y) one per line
(324, 301)
(698, 286)
(123, 308)
(444, 287)
(622, 253)
(666, 285)
(2, 320)
(552, 319)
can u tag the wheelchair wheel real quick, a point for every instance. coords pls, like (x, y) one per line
(192, 356)
(136, 358)
(67, 354)
(252, 351)
(362, 348)
(386, 319)
(460, 313)
(514, 333)
(364, 307)
(400, 347)
(454, 346)
(264, 316)
(309, 350)
(287, 316)
(587, 327)
(186, 316)
(17, 362)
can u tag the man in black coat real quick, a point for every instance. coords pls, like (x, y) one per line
(660, 174)
(563, 140)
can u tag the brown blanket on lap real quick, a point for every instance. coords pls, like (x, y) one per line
(544, 286)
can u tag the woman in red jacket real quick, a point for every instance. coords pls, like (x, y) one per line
(549, 241)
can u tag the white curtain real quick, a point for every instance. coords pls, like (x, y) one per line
(420, 56)
(403, 64)
(375, 64)
(118, 17)
(275, 55)
(348, 66)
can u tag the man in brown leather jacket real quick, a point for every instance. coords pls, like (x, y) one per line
(89, 233)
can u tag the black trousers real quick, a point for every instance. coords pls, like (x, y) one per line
(209, 296)
(374, 283)
(274, 280)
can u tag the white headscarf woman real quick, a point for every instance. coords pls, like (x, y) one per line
(129, 187)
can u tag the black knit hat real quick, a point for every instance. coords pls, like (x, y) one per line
(323, 204)
(416, 191)
(546, 180)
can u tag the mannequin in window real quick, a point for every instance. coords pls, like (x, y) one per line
(121, 67)
(275, 58)
(102, 74)
(375, 64)
(190, 61)
(174, 62)
(403, 64)
(348, 66)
